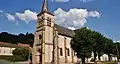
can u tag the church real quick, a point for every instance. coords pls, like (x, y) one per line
(52, 41)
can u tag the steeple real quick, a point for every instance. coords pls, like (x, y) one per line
(45, 6)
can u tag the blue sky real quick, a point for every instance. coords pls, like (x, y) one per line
(107, 23)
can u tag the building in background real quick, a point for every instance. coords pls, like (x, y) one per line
(7, 48)
(104, 57)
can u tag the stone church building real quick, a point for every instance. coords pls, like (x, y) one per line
(52, 41)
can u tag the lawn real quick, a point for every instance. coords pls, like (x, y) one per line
(109, 62)
(12, 58)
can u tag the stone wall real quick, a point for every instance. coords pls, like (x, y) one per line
(6, 51)
(68, 56)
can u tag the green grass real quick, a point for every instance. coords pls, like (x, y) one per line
(6, 57)
(12, 58)
(109, 62)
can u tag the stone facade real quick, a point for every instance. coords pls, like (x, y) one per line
(68, 55)
(51, 42)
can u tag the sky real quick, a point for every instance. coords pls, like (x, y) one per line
(19, 16)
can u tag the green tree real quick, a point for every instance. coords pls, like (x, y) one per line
(116, 50)
(81, 43)
(27, 38)
(98, 43)
(86, 41)
(23, 52)
(109, 47)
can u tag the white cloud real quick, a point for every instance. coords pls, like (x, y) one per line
(1, 11)
(116, 41)
(94, 14)
(27, 16)
(86, 1)
(72, 28)
(74, 18)
(60, 0)
(10, 17)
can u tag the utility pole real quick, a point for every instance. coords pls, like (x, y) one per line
(117, 52)
(29, 55)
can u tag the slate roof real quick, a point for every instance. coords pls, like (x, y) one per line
(4, 44)
(64, 31)
(9, 45)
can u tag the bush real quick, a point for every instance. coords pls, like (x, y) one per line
(22, 52)
(17, 58)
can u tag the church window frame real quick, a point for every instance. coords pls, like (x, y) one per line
(39, 20)
(68, 51)
(41, 23)
(40, 36)
(61, 52)
(49, 21)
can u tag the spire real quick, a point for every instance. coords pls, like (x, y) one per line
(45, 6)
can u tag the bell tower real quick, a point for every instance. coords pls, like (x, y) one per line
(43, 40)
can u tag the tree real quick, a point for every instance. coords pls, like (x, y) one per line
(81, 43)
(27, 38)
(23, 52)
(98, 43)
(109, 47)
(86, 41)
(116, 50)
